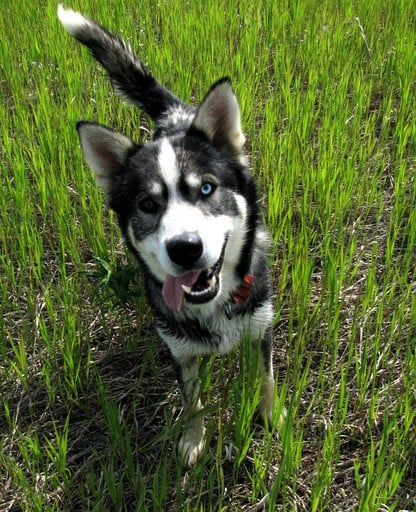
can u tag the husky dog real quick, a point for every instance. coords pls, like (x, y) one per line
(188, 209)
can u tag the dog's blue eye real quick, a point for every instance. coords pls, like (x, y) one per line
(207, 189)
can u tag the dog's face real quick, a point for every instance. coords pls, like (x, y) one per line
(180, 203)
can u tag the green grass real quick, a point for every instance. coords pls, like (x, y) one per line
(90, 412)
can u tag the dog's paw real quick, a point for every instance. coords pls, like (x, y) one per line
(191, 445)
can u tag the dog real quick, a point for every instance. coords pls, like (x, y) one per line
(189, 211)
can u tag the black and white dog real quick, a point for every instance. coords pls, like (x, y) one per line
(188, 209)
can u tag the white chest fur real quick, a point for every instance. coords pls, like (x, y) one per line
(225, 333)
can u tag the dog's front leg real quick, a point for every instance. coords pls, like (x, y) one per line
(191, 443)
(267, 403)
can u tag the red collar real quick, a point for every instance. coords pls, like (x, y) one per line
(242, 293)
(240, 296)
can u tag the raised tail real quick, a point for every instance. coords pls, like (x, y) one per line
(129, 76)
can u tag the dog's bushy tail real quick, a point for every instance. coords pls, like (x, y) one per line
(130, 77)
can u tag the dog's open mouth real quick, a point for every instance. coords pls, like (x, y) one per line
(197, 286)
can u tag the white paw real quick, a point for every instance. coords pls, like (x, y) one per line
(191, 445)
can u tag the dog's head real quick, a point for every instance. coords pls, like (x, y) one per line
(181, 199)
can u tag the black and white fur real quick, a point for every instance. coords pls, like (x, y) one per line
(188, 209)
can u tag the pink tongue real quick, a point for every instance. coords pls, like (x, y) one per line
(172, 288)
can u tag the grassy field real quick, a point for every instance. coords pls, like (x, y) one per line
(90, 412)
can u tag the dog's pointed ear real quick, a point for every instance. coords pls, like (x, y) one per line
(218, 117)
(105, 150)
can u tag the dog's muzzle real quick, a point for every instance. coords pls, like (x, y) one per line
(197, 286)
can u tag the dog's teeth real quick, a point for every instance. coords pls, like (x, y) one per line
(212, 282)
(186, 289)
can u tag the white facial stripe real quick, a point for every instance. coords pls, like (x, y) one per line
(168, 164)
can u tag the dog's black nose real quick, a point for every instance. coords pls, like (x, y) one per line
(185, 250)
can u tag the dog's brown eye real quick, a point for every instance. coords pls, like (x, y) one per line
(147, 205)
